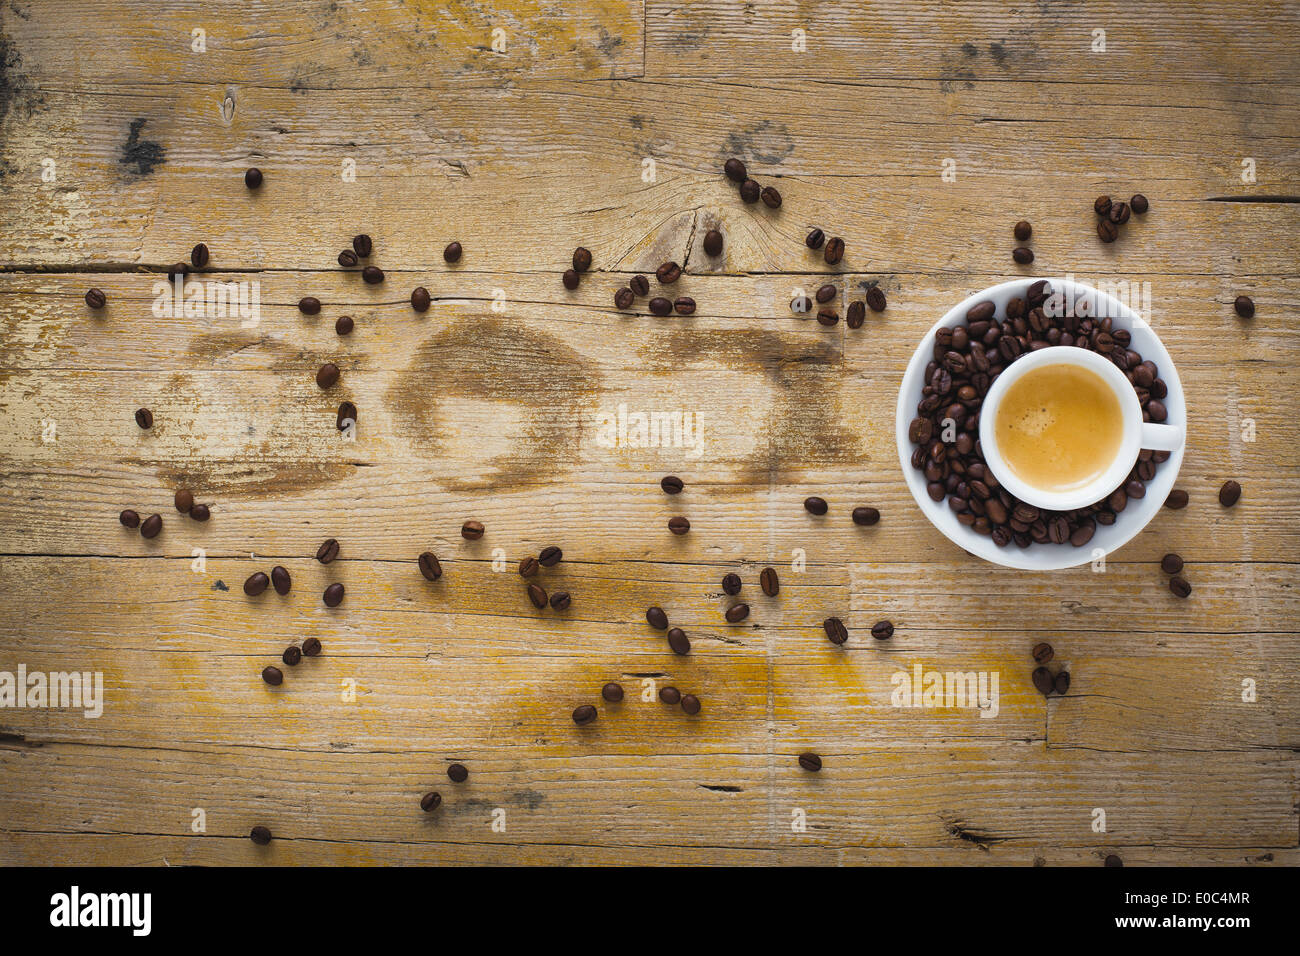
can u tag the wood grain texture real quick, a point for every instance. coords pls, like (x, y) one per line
(1182, 721)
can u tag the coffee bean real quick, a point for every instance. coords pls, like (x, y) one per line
(1044, 683)
(309, 305)
(656, 617)
(199, 256)
(200, 513)
(855, 315)
(713, 243)
(363, 246)
(420, 299)
(431, 801)
(882, 630)
(372, 275)
(430, 566)
(671, 484)
(690, 704)
(273, 675)
(1022, 255)
(749, 191)
(328, 551)
(1139, 204)
(731, 584)
(280, 580)
(684, 305)
(826, 293)
(1107, 231)
(737, 613)
(129, 519)
(537, 594)
(1043, 652)
(528, 567)
(291, 656)
(612, 692)
(827, 317)
(151, 526)
(1102, 205)
(458, 773)
(1022, 231)
(1171, 563)
(1119, 213)
(1229, 494)
(311, 647)
(144, 418)
(327, 375)
(1244, 306)
(550, 556)
(876, 299)
(771, 198)
(1177, 499)
(570, 279)
(333, 595)
(835, 630)
(346, 416)
(343, 325)
(639, 284)
(769, 582)
(801, 305)
(678, 525)
(452, 252)
(815, 239)
(1062, 682)
(184, 501)
(95, 298)
(348, 259)
(661, 306)
(678, 641)
(810, 762)
(582, 259)
(623, 298)
(472, 530)
(834, 251)
(670, 695)
(253, 178)
(259, 835)
(560, 601)
(668, 273)
(816, 506)
(865, 516)
(735, 170)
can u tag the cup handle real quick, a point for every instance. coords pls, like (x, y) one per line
(1157, 437)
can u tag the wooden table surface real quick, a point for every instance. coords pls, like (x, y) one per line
(605, 124)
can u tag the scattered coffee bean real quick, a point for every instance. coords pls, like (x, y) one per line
(835, 630)
(690, 704)
(1177, 499)
(363, 246)
(1229, 494)
(346, 416)
(801, 305)
(452, 252)
(309, 305)
(1171, 563)
(713, 243)
(199, 256)
(1107, 231)
(612, 692)
(570, 279)
(327, 375)
(771, 198)
(1022, 255)
(668, 273)
(810, 762)
(431, 801)
(584, 714)
(372, 275)
(671, 484)
(876, 299)
(656, 617)
(735, 170)
(560, 601)
(834, 251)
(816, 506)
(855, 315)
(826, 293)
(882, 630)
(273, 675)
(144, 418)
(328, 551)
(343, 325)
(661, 306)
(684, 305)
(458, 773)
(420, 299)
(1043, 653)
(348, 259)
(1044, 683)
(291, 656)
(865, 516)
(769, 582)
(731, 584)
(670, 695)
(200, 513)
(95, 298)
(537, 594)
(430, 566)
(151, 526)
(1062, 682)
(827, 317)
(184, 501)
(333, 595)
(749, 191)
(1139, 204)
(1022, 231)
(472, 530)
(623, 298)
(678, 641)
(1102, 205)
(582, 259)
(737, 613)
(253, 178)
(259, 835)
(678, 525)
(311, 647)
(1179, 586)
(815, 239)
(129, 519)
(639, 284)
(1119, 213)
(280, 580)
(550, 556)
(1244, 306)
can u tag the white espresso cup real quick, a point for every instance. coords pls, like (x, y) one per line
(1137, 434)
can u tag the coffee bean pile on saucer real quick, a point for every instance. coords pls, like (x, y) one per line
(967, 358)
